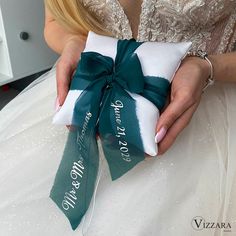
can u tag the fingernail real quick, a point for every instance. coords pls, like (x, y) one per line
(57, 105)
(160, 134)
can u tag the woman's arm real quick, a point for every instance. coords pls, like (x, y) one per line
(56, 35)
(67, 44)
(186, 93)
(224, 66)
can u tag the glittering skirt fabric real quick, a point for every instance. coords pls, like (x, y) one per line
(160, 196)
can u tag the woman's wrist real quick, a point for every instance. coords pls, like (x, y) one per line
(201, 67)
(73, 47)
(205, 58)
(74, 38)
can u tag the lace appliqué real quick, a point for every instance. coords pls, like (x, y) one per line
(209, 24)
(97, 7)
(228, 40)
(118, 22)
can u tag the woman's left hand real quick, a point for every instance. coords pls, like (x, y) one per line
(185, 96)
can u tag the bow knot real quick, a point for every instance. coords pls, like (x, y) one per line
(111, 78)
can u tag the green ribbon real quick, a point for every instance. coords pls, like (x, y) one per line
(104, 107)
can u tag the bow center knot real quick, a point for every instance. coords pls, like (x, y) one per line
(110, 78)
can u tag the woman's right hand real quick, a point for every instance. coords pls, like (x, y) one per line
(67, 64)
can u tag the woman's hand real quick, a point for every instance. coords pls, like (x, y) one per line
(67, 64)
(186, 91)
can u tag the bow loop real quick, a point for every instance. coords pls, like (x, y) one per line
(93, 63)
(94, 66)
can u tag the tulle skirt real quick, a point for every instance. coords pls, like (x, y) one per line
(179, 193)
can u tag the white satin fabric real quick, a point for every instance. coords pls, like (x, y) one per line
(156, 58)
(160, 196)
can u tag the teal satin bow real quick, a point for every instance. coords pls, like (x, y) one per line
(105, 107)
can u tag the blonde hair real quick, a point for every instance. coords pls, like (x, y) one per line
(75, 17)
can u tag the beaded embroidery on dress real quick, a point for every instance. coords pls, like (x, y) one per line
(209, 24)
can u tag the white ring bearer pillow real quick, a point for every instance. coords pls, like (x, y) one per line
(157, 59)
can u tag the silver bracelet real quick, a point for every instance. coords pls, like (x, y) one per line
(210, 80)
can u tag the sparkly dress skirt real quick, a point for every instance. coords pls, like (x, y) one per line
(194, 182)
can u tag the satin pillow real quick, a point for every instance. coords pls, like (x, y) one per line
(157, 59)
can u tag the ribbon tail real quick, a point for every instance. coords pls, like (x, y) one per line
(120, 134)
(76, 177)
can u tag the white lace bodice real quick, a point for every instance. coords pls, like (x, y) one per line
(209, 24)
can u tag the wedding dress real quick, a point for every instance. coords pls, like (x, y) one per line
(195, 180)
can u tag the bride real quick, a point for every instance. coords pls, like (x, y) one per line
(190, 187)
